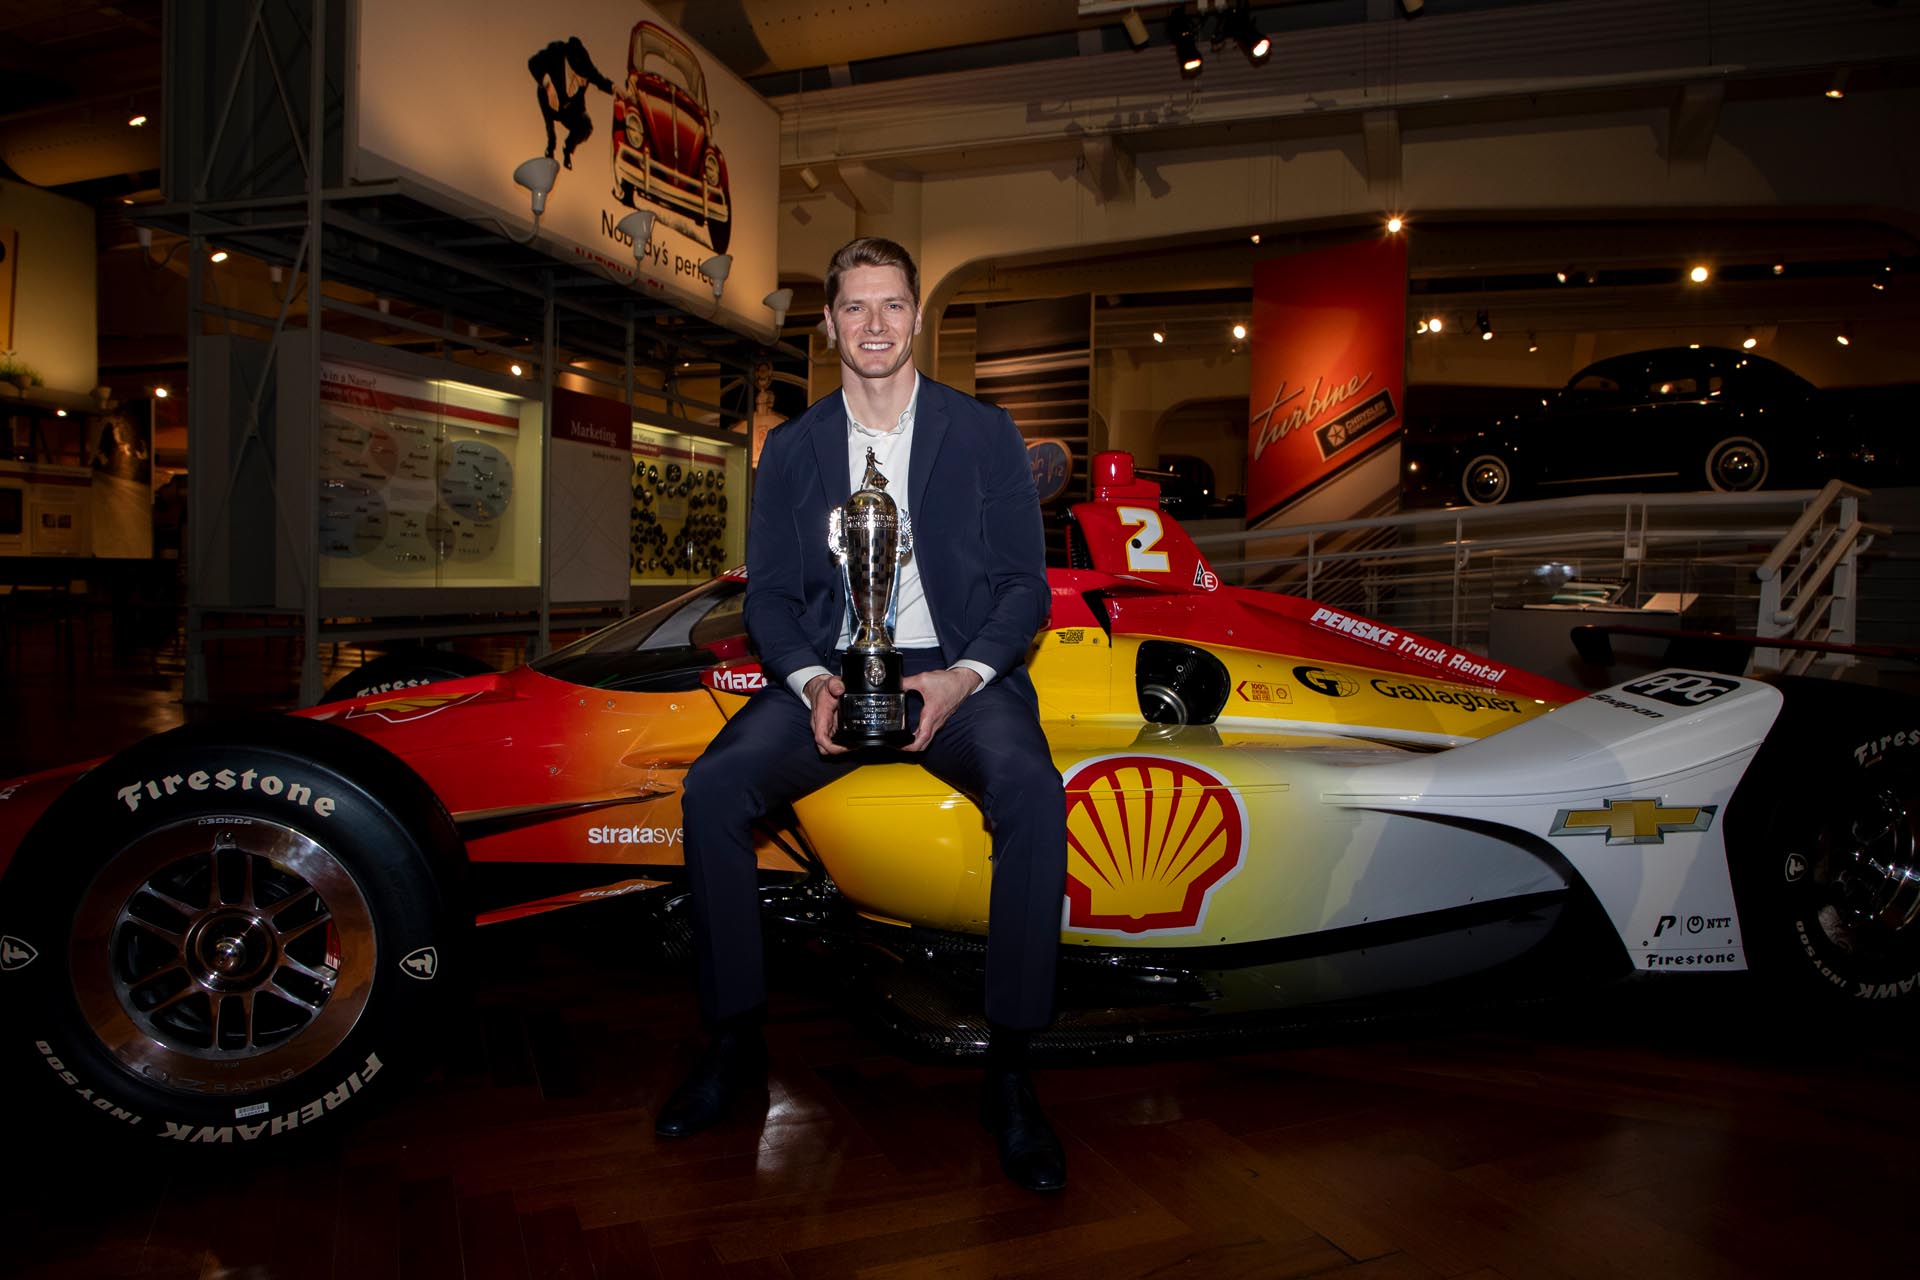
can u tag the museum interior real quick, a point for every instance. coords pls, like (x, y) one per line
(1504, 356)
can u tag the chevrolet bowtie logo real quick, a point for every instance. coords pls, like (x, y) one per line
(1632, 821)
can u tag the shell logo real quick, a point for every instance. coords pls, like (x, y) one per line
(1148, 841)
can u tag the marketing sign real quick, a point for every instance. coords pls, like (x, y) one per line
(454, 95)
(1329, 365)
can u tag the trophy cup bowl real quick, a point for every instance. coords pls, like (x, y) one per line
(870, 538)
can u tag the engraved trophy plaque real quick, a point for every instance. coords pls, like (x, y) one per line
(870, 538)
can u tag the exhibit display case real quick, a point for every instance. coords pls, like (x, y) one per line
(689, 508)
(426, 482)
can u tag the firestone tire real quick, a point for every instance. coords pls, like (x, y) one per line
(1829, 814)
(231, 935)
(404, 669)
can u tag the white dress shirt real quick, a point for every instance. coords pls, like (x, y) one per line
(912, 619)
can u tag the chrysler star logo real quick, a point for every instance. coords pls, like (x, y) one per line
(1632, 821)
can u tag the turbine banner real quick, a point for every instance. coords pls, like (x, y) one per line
(1329, 365)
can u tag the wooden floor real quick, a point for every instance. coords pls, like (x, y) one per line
(1649, 1131)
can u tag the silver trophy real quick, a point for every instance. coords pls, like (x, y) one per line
(870, 538)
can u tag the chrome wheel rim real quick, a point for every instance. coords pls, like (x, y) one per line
(222, 954)
(1867, 871)
(1737, 467)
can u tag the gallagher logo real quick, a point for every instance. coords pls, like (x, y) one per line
(1325, 682)
(1148, 842)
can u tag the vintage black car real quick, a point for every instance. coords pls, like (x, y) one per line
(1675, 418)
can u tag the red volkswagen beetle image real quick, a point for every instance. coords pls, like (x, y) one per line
(663, 148)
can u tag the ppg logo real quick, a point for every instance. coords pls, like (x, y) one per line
(1681, 688)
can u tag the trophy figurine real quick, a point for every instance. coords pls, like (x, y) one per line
(870, 538)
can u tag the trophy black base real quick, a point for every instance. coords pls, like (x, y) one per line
(873, 710)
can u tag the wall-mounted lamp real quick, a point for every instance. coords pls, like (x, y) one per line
(537, 176)
(780, 301)
(715, 269)
(638, 228)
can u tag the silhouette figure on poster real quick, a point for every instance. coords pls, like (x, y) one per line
(561, 73)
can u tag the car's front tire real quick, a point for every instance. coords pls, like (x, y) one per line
(1826, 834)
(230, 935)
(1487, 480)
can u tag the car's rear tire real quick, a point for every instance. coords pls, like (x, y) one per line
(228, 934)
(1737, 464)
(1486, 481)
(404, 669)
(1825, 831)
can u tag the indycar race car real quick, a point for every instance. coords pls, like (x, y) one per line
(230, 933)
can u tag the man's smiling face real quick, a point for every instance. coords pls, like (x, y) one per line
(874, 321)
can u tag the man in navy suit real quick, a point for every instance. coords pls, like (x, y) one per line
(970, 600)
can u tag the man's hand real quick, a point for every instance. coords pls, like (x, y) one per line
(943, 691)
(823, 695)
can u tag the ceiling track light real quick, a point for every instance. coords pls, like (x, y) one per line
(1486, 326)
(1136, 29)
(1837, 88)
(1186, 43)
(1240, 28)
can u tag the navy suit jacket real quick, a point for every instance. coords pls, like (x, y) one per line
(976, 536)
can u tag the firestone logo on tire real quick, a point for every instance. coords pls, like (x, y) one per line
(291, 791)
(16, 954)
(422, 963)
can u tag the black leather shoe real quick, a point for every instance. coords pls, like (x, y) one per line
(1030, 1154)
(731, 1065)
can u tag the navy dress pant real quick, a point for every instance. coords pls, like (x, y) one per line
(990, 749)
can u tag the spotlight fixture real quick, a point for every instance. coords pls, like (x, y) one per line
(1838, 88)
(1186, 44)
(59, 413)
(1533, 343)
(1699, 274)
(638, 228)
(1843, 339)
(1136, 30)
(808, 178)
(1421, 327)
(218, 255)
(1239, 333)
(1561, 276)
(537, 176)
(1693, 346)
(1486, 326)
(1433, 324)
(1255, 237)
(161, 393)
(1159, 336)
(1394, 224)
(1779, 268)
(1749, 342)
(715, 269)
(516, 369)
(137, 120)
(1412, 8)
(780, 301)
(1243, 31)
